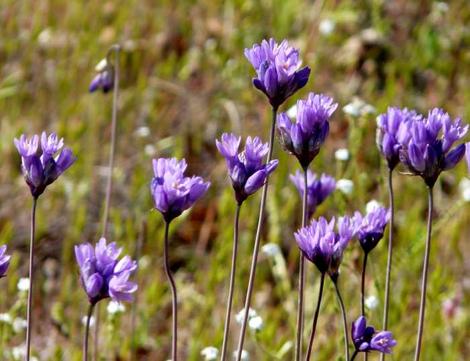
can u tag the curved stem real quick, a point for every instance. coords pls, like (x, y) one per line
(29, 317)
(300, 304)
(231, 284)
(173, 294)
(424, 282)
(354, 355)
(87, 331)
(315, 318)
(345, 320)
(390, 251)
(254, 258)
(363, 281)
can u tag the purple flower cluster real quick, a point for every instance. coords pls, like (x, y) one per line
(172, 192)
(278, 70)
(246, 169)
(366, 339)
(370, 228)
(39, 165)
(428, 151)
(318, 188)
(322, 245)
(102, 274)
(103, 81)
(304, 137)
(4, 261)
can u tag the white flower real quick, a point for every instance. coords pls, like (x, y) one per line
(245, 355)
(464, 187)
(210, 353)
(115, 307)
(92, 321)
(19, 324)
(19, 353)
(144, 262)
(102, 65)
(142, 132)
(150, 150)
(358, 107)
(371, 302)
(326, 26)
(292, 112)
(255, 323)
(371, 205)
(5, 317)
(345, 185)
(342, 154)
(240, 315)
(271, 249)
(23, 284)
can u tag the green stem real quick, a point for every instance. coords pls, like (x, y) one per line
(29, 316)
(345, 320)
(315, 318)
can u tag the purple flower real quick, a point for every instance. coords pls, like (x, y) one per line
(304, 137)
(318, 189)
(392, 132)
(322, 245)
(4, 261)
(365, 338)
(428, 151)
(467, 155)
(278, 70)
(104, 80)
(246, 169)
(172, 192)
(39, 165)
(103, 274)
(370, 228)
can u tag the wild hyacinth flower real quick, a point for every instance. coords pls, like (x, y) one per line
(366, 339)
(174, 193)
(4, 261)
(304, 137)
(318, 188)
(103, 81)
(278, 70)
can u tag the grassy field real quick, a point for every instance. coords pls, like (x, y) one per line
(185, 81)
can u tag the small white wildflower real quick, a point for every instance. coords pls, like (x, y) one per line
(292, 112)
(45, 37)
(102, 65)
(5, 317)
(352, 109)
(255, 323)
(245, 355)
(150, 150)
(19, 324)
(371, 205)
(210, 353)
(327, 26)
(358, 107)
(144, 262)
(23, 284)
(371, 302)
(92, 321)
(19, 353)
(342, 154)
(271, 249)
(345, 185)
(240, 315)
(115, 307)
(464, 187)
(142, 132)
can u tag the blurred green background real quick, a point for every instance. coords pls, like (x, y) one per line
(185, 81)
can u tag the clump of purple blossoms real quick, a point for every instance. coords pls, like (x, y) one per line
(102, 274)
(322, 245)
(370, 228)
(318, 189)
(366, 339)
(428, 151)
(103, 81)
(304, 137)
(392, 132)
(246, 169)
(172, 192)
(278, 70)
(4, 261)
(39, 164)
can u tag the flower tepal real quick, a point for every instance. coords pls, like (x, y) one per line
(4, 261)
(366, 339)
(246, 169)
(103, 274)
(278, 69)
(172, 192)
(370, 228)
(39, 163)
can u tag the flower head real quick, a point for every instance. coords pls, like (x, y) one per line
(4, 261)
(392, 132)
(210, 353)
(318, 189)
(172, 192)
(370, 228)
(246, 169)
(304, 137)
(39, 164)
(278, 70)
(366, 339)
(103, 274)
(323, 245)
(428, 150)
(104, 79)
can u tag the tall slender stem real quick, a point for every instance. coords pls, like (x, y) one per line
(424, 282)
(231, 284)
(254, 258)
(354, 355)
(137, 252)
(363, 282)
(345, 320)
(300, 304)
(109, 184)
(174, 302)
(87, 331)
(29, 315)
(391, 203)
(315, 318)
